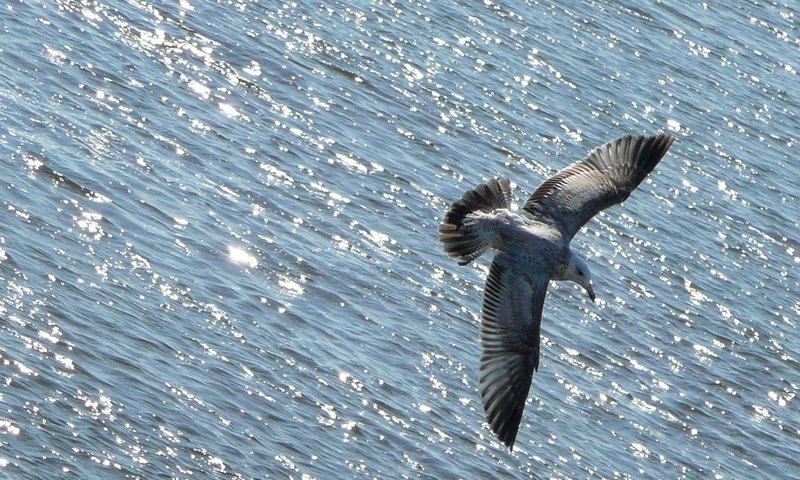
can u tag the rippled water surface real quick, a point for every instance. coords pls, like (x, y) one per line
(218, 253)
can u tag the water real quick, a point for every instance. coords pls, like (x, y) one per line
(218, 252)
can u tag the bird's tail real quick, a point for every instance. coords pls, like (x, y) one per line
(460, 235)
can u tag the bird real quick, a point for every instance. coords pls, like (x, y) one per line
(532, 248)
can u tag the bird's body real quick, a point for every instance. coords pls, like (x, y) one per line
(534, 242)
(533, 248)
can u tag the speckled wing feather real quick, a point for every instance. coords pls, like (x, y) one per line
(606, 177)
(512, 314)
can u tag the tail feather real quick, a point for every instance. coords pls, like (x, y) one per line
(458, 234)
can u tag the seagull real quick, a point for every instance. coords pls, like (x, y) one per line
(532, 248)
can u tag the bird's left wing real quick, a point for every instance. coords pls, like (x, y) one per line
(512, 314)
(575, 194)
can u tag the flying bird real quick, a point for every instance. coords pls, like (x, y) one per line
(532, 248)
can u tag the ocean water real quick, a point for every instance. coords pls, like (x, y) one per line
(219, 258)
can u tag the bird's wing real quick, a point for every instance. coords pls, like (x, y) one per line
(512, 315)
(606, 177)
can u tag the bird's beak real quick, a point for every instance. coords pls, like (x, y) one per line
(590, 291)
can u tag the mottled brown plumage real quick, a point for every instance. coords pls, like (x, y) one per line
(533, 248)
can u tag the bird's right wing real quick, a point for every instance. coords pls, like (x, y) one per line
(575, 194)
(512, 314)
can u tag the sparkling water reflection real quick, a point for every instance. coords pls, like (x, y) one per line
(219, 251)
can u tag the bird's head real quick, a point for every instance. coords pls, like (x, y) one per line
(578, 272)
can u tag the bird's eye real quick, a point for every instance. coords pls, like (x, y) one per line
(580, 272)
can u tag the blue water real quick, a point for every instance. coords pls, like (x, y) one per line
(218, 253)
